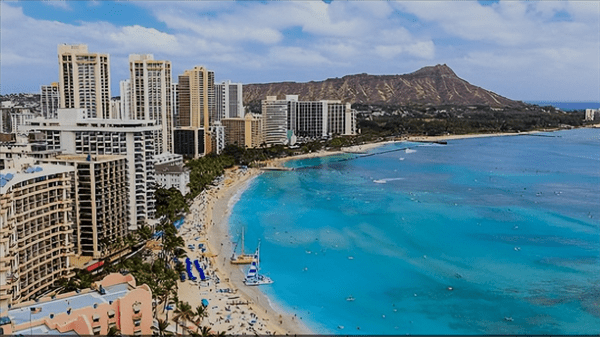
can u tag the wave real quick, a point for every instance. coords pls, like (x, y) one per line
(383, 181)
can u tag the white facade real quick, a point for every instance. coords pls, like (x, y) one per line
(275, 114)
(228, 100)
(115, 108)
(168, 158)
(125, 90)
(21, 119)
(151, 96)
(36, 230)
(589, 114)
(84, 80)
(49, 99)
(217, 132)
(74, 134)
(177, 176)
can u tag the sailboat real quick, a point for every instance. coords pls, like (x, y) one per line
(242, 258)
(253, 278)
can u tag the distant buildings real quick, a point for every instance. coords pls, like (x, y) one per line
(229, 98)
(36, 229)
(589, 114)
(290, 119)
(151, 97)
(84, 80)
(275, 114)
(125, 91)
(115, 302)
(49, 100)
(244, 132)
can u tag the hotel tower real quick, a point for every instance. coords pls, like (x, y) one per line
(84, 80)
(151, 97)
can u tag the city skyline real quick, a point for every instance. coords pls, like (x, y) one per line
(521, 50)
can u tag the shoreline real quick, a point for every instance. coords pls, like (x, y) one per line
(212, 210)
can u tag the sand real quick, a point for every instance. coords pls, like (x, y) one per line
(244, 309)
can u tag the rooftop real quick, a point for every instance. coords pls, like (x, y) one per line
(22, 314)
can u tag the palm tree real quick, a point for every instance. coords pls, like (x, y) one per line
(183, 312)
(200, 313)
(205, 332)
(162, 328)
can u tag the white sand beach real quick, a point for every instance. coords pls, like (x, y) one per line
(233, 307)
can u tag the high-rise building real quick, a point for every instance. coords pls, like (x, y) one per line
(49, 99)
(175, 103)
(228, 97)
(36, 229)
(101, 217)
(196, 108)
(74, 134)
(151, 96)
(217, 132)
(125, 90)
(244, 132)
(84, 80)
(275, 114)
(115, 108)
(288, 119)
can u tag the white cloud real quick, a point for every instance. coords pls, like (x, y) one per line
(502, 44)
(295, 56)
(141, 38)
(58, 4)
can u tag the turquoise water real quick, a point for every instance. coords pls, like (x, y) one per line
(509, 224)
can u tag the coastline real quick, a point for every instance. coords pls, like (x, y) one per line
(213, 208)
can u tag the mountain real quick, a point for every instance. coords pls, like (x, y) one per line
(437, 85)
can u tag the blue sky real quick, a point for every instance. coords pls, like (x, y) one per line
(533, 50)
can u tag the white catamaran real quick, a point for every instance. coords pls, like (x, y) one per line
(253, 278)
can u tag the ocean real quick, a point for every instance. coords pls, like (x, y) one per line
(568, 106)
(496, 235)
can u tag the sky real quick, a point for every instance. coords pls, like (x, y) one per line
(523, 50)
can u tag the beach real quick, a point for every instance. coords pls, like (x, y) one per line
(241, 309)
(234, 307)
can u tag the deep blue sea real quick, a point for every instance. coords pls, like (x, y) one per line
(568, 106)
(497, 235)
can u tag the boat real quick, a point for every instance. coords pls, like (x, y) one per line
(242, 258)
(350, 298)
(253, 278)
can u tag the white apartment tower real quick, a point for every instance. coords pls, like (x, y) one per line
(151, 96)
(125, 90)
(84, 80)
(228, 97)
(49, 100)
(306, 120)
(73, 134)
(275, 114)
